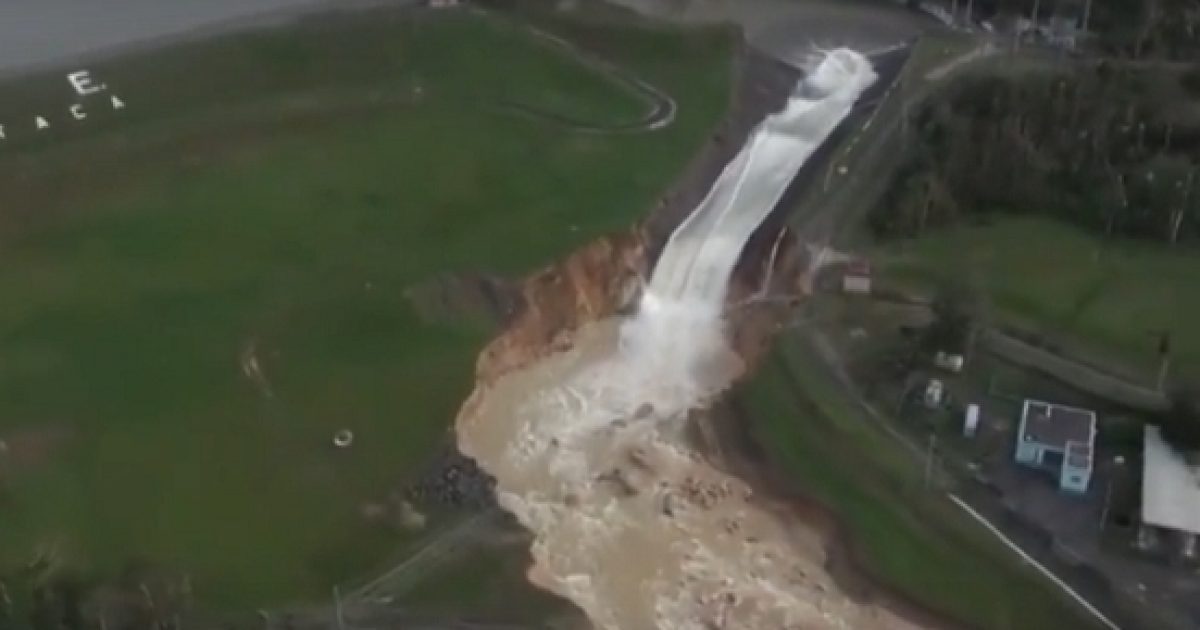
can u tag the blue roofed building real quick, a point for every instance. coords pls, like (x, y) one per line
(1060, 440)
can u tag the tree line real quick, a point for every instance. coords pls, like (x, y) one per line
(1109, 146)
(1133, 29)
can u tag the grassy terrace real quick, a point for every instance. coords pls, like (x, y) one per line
(275, 193)
(1108, 299)
(904, 536)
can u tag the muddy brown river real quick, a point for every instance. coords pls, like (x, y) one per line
(630, 524)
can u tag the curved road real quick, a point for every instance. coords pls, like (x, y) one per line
(660, 107)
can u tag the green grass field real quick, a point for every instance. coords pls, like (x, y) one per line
(1111, 299)
(278, 192)
(908, 537)
(494, 581)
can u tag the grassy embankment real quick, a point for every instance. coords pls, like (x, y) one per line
(278, 191)
(1107, 299)
(905, 536)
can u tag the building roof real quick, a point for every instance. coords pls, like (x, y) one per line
(1057, 425)
(858, 267)
(1170, 486)
(1079, 455)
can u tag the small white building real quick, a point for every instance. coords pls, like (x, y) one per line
(1170, 496)
(949, 361)
(971, 421)
(857, 278)
(1059, 439)
(935, 392)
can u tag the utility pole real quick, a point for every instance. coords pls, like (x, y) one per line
(904, 396)
(929, 458)
(1164, 353)
(1119, 462)
(337, 608)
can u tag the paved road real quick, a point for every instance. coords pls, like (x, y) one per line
(47, 33)
(660, 106)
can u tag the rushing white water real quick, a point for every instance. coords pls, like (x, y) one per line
(680, 315)
(587, 447)
(701, 254)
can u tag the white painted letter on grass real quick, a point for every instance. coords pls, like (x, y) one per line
(77, 112)
(42, 123)
(117, 103)
(2, 136)
(82, 82)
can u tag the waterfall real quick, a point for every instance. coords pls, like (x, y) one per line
(678, 328)
(694, 268)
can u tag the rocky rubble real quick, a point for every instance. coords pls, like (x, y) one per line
(453, 480)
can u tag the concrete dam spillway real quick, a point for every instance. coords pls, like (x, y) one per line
(701, 254)
(588, 448)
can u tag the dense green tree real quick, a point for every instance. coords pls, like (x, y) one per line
(955, 308)
(1190, 80)
(1107, 148)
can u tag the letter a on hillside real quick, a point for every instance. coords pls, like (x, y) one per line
(42, 123)
(117, 103)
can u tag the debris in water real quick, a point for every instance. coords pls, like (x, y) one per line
(638, 457)
(617, 477)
